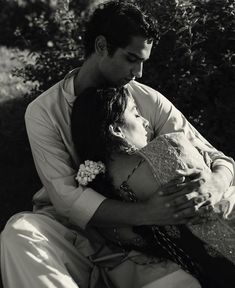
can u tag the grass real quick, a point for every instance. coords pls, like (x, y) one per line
(18, 180)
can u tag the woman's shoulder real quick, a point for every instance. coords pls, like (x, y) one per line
(131, 172)
(170, 152)
(163, 158)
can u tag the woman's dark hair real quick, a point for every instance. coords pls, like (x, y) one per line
(92, 114)
(118, 21)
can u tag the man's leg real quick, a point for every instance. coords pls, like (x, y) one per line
(37, 251)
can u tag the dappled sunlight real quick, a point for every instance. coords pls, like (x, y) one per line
(10, 85)
(38, 258)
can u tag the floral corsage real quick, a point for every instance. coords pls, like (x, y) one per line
(88, 171)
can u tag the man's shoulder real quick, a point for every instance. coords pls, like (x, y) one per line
(45, 102)
(146, 94)
(141, 89)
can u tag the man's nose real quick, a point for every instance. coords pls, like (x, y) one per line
(137, 71)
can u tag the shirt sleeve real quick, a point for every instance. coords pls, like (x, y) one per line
(169, 119)
(165, 118)
(56, 170)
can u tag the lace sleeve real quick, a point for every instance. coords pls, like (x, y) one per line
(170, 152)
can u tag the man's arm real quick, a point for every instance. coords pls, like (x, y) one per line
(56, 168)
(160, 209)
(212, 185)
(208, 188)
(165, 118)
(217, 183)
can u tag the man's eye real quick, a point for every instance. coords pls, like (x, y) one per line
(131, 60)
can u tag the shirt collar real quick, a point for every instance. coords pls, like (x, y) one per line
(68, 86)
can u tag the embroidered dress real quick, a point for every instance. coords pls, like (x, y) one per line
(171, 152)
(200, 249)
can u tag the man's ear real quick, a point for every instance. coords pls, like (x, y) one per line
(116, 131)
(100, 45)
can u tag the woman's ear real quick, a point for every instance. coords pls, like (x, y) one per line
(100, 45)
(116, 131)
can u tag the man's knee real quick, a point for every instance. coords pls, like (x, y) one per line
(18, 226)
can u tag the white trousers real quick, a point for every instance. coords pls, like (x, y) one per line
(38, 252)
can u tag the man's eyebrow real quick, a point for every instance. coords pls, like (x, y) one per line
(136, 56)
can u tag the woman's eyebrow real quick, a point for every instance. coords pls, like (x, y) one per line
(134, 107)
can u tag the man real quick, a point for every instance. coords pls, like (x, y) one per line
(50, 247)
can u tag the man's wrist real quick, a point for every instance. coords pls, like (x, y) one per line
(223, 178)
(141, 214)
(224, 175)
(115, 213)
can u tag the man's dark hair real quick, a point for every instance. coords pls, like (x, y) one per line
(118, 21)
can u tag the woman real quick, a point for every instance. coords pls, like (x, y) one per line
(107, 127)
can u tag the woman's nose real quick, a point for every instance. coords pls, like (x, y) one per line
(145, 122)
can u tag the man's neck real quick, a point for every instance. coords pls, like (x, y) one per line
(88, 76)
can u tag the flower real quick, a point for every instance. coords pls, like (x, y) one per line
(88, 171)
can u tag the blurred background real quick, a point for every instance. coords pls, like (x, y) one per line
(193, 65)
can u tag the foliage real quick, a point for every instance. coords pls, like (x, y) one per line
(18, 178)
(12, 86)
(43, 65)
(24, 18)
(194, 63)
(63, 51)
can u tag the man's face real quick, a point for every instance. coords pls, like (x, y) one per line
(126, 63)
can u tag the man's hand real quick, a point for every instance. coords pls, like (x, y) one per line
(212, 184)
(183, 200)
(191, 197)
(178, 202)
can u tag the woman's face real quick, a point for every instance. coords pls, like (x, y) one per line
(134, 127)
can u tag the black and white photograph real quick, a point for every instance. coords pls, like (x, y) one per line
(117, 143)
